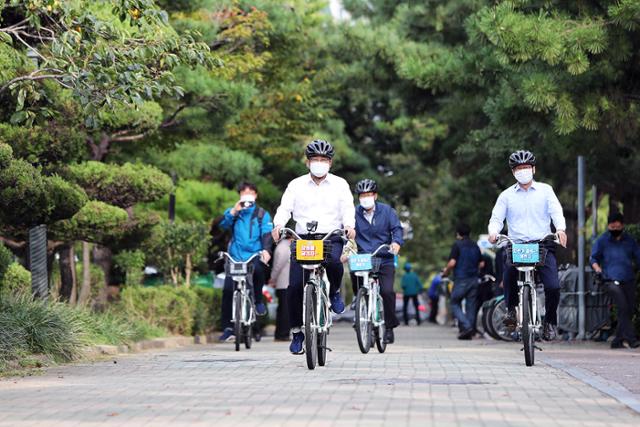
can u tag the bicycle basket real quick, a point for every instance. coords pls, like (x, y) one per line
(360, 262)
(311, 251)
(526, 254)
(237, 268)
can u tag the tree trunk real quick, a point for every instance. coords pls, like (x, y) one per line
(103, 257)
(631, 207)
(67, 265)
(85, 289)
(187, 271)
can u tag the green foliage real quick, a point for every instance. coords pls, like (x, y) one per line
(120, 185)
(91, 223)
(198, 201)
(16, 280)
(6, 259)
(132, 263)
(179, 310)
(27, 197)
(177, 247)
(103, 52)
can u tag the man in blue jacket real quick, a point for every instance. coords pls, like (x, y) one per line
(612, 256)
(378, 224)
(250, 227)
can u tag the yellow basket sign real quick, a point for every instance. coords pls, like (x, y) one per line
(309, 250)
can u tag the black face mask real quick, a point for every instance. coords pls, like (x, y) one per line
(616, 233)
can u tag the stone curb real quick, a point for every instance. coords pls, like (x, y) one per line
(153, 344)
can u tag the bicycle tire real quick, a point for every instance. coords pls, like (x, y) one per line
(528, 338)
(248, 332)
(310, 332)
(322, 348)
(381, 345)
(484, 320)
(497, 313)
(362, 321)
(237, 326)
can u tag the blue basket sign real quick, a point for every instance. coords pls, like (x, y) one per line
(360, 262)
(525, 253)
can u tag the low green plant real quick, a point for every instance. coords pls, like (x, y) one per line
(16, 280)
(6, 258)
(164, 306)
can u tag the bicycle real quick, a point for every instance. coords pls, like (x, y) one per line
(312, 256)
(369, 317)
(243, 314)
(526, 257)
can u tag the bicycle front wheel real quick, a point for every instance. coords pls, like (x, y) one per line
(310, 331)
(322, 348)
(237, 326)
(381, 344)
(528, 335)
(362, 321)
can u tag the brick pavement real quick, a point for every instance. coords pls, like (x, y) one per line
(426, 378)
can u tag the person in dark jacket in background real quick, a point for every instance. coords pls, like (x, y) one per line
(378, 224)
(612, 257)
(411, 287)
(465, 261)
(434, 297)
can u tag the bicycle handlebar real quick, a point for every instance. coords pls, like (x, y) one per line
(501, 238)
(223, 254)
(385, 246)
(284, 231)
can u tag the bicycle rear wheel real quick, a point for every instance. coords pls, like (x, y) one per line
(496, 325)
(381, 345)
(362, 321)
(486, 308)
(237, 326)
(310, 331)
(528, 338)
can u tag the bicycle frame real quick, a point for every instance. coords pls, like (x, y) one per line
(372, 285)
(248, 316)
(526, 283)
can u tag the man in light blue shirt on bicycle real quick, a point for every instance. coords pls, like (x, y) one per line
(529, 208)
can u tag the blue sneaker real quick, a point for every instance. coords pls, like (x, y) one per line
(227, 335)
(261, 309)
(337, 305)
(296, 343)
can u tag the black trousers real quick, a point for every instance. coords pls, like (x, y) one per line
(624, 296)
(434, 309)
(386, 277)
(299, 276)
(405, 304)
(257, 281)
(282, 316)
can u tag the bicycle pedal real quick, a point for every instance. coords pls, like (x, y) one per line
(537, 348)
(326, 348)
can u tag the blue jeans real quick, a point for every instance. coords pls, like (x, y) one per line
(465, 289)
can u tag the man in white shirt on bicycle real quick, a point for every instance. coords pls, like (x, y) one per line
(325, 198)
(529, 208)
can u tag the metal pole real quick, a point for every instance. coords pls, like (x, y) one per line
(581, 248)
(594, 211)
(38, 261)
(172, 199)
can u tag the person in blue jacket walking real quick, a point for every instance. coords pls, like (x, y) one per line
(250, 227)
(411, 287)
(378, 224)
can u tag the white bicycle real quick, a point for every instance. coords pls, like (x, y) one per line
(369, 316)
(312, 256)
(243, 314)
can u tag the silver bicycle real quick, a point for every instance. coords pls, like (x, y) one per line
(526, 257)
(243, 314)
(369, 317)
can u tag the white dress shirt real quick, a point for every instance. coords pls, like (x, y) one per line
(330, 203)
(529, 213)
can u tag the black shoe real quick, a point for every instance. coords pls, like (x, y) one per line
(466, 335)
(617, 343)
(434, 321)
(549, 332)
(510, 321)
(388, 336)
(634, 344)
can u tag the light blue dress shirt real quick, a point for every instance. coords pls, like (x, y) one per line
(529, 213)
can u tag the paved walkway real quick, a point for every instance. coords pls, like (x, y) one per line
(426, 378)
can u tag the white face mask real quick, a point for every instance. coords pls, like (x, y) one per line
(247, 198)
(524, 176)
(367, 202)
(319, 169)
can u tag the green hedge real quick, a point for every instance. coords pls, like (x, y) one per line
(181, 310)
